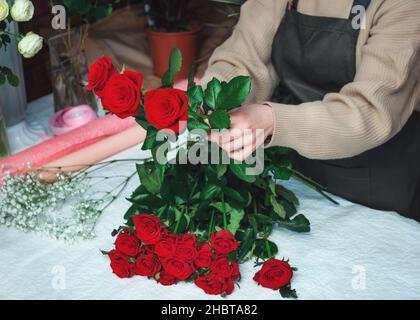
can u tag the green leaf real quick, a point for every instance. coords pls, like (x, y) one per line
(288, 292)
(236, 217)
(2, 79)
(209, 192)
(151, 176)
(150, 140)
(212, 92)
(195, 98)
(219, 120)
(234, 93)
(175, 65)
(260, 250)
(247, 240)
(239, 170)
(221, 170)
(13, 80)
(287, 194)
(299, 224)
(277, 207)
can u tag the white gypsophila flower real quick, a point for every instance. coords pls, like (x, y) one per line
(22, 10)
(4, 10)
(30, 45)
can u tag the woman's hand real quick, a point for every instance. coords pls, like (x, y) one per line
(250, 127)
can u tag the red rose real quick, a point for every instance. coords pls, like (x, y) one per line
(120, 264)
(185, 250)
(189, 238)
(274, 274)
(222, 267)
(178, 268)
(214, 284)
(99, 74)
(148, 228)
(122, 94)
(147, 265)
(165, 248)
(127, 244)
(165, 108)
(204, 256)
(235, 271)
(224, 242)
(166, 279)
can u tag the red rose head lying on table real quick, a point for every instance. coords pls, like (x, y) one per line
(196, 220)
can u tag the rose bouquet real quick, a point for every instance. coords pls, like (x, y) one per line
(197, 214)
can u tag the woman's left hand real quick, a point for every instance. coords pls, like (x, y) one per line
(250, 127)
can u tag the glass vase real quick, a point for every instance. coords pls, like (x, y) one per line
(68, 69)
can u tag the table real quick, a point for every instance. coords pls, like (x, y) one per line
(352, 252)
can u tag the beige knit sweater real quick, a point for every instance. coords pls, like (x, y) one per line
(365, 113)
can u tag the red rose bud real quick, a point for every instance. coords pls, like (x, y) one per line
(204, 256)
(99, 74)
(122, 94)
(120, 264)
(274, 274)
(224, 242)
(148, 228)
(178, 268)
(166, 108)
(214, 284)
(222, 267)
(127, 244)
(147, 265)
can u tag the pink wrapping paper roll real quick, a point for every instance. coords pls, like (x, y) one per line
(65, 144)
(71, 118)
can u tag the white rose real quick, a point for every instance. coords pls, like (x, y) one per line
(4, 10)
(30, 45)
(22, 10)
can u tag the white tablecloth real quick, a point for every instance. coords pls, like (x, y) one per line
(351, 253)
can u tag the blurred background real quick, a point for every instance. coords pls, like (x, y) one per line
(136, 34)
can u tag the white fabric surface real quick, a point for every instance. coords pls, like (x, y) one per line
(345, 240)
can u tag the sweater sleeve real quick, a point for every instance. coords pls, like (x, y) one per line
(375, 106)
(248, 50)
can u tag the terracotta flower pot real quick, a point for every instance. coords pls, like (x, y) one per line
(161, 44)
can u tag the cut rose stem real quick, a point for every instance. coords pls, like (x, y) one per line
(86, 157)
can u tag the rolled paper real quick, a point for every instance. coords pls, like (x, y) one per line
(92, 154)
(60, 146)
(71, 118)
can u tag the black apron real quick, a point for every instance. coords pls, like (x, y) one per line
(314, 56)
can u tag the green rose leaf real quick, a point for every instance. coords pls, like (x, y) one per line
(219, 120)
(151, 176)
(175, 64)
(239, 170)
(195, 98)
(209, 192)
(247, 240)
(234, 93)
(212, 92)
(299, 224)
(278, 207)
(260, 250)
(236, 217)
(150, 140)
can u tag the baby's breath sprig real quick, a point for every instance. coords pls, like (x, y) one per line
(66, 209)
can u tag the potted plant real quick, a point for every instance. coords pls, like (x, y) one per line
(171, 26)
